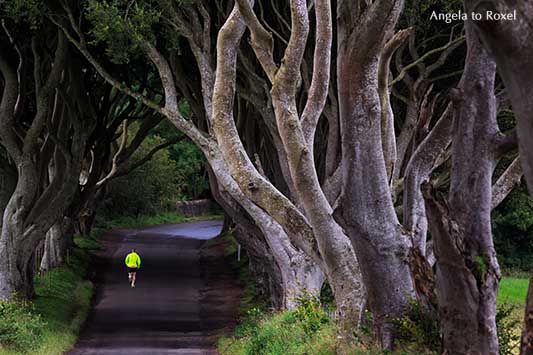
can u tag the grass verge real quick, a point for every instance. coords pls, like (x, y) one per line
(309, 330)
(60, 307)
(511, 300)
(513, 291)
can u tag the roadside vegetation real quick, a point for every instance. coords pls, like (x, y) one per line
(114, 110)
(50, 324)
(311, 329)
(176, 173)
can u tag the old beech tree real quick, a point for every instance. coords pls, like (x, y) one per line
(294, 105)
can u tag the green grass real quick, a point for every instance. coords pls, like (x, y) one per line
(272, 333)
(62, 301)
(297, 332)
(513, 291)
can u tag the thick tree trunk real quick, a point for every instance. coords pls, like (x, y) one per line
(286, 273)
(16, 262)
(526, 344)
(512, 46)
(34, 208)
(365, 207)
(299, 274)
(297, 136)
(467, 273)
(8, 182)
(263, 267)
(56, 244)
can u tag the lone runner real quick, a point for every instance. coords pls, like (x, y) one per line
(133, 263)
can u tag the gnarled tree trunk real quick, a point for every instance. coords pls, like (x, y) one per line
(58, 241)
(365, 208)
(299, 275)
(33, 208)
(511, 43)
(467, 273)
(338, 258)
(8, 182)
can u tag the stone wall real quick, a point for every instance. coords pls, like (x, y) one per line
(194, 208)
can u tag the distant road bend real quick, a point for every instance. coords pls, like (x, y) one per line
(184, 297)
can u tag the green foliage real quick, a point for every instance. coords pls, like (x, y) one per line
(191, 174)
(49, 325)
(506, 326)
(21, 329)
(479, 268)
(517, 211)
(311, 314)
(305, 330)
(122, 26)
(513, 231)
(418, 329)
(326, 295)
(172, 174)
(23, 11)
(191, 164)
(365, 330)
(149, 189)
(143, 220)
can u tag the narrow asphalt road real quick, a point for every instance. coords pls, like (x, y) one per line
(182, 301)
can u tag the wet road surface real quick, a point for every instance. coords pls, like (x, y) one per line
(184, 296)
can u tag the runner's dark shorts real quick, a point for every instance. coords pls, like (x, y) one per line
(132, 269)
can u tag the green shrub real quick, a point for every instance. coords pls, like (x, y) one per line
(311, 314)
(151, 188)
(506, 326)
(49, 325)
(418, 328)
(21, 329)
(305, 330)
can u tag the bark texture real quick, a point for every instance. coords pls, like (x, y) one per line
(300, 274)
(297, 134)
(34, 208)
(526, 343)
(56, 244)
(8, 182)
(467, 272)
(419, 169)
(379, 240)
(511, 43)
